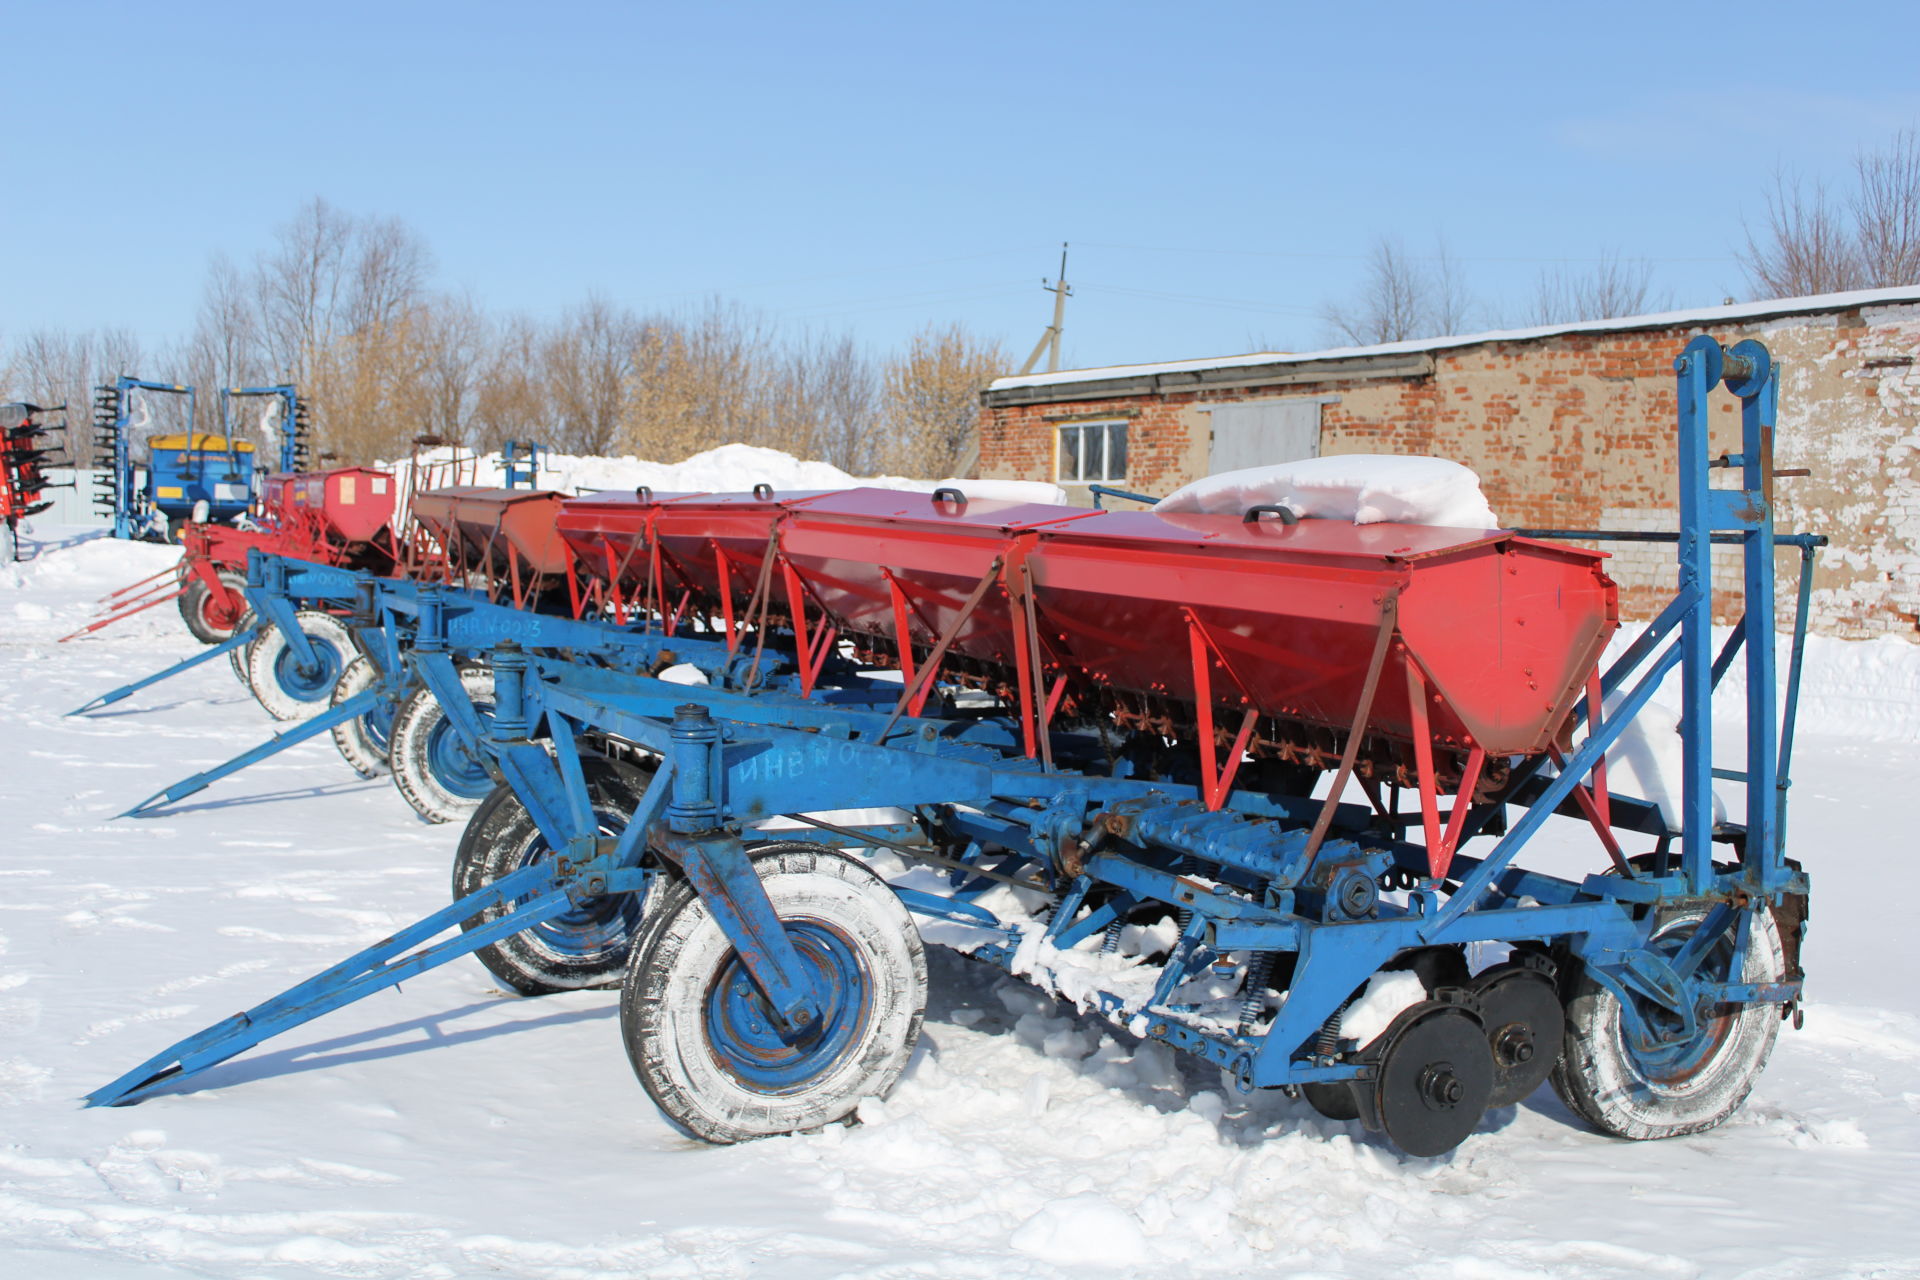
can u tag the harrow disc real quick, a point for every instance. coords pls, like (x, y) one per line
(1435, 1077)
(440, 777)
(585, 947)
(1525, 1029)
(700, 1035)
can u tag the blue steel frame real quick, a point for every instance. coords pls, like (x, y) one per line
(521, 458)
(291, 428)
(404, 625)
(126, 507)
(1247, 878)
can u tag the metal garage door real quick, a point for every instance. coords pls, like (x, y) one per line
(1262, 432)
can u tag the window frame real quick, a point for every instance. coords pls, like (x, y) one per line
(1086, 432)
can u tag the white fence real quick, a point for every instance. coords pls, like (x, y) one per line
(75, 505)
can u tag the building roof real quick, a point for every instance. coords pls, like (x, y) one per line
(1411, 356)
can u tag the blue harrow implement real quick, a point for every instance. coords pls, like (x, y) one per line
(1154, 763)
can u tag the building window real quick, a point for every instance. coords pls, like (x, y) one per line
(1092, 453)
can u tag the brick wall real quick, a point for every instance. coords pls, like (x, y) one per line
(1576, 431)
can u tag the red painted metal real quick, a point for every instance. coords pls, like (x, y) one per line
(350, 504)
(1494, 636)
(342, 516)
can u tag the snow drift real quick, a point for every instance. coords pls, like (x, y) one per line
(1366, 488)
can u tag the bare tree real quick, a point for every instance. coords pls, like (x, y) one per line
(702, 379)
(387, 267)
(454, 335)
(1402, 297)
(509, 399)
(299, 285)
(933, 401)
(1450, 302)
(1807, 246)
(1610, 288)
(1886, 213)
(586, 364)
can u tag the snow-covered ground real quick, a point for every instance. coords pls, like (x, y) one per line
(449, 1130)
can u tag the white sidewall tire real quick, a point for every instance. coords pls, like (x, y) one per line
(496, 842)
(1599, 1080)
(357, 746)
(238, 658)
(682, 950)
(409, 746)
(263, 656)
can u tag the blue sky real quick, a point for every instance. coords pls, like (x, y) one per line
(1221, 169)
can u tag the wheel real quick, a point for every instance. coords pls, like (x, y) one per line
(587, 946)
(238, 658)
(363, 740)
(208, 616)
(1525, 1028)
(1435, 1077)
(1680, 1088)
(283, 687)
(700, 1036)
(432, 765)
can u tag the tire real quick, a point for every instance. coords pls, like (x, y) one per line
(587, 947)
(363, 740)
(210, 619)
(696, 1029)
(238, 658)
(439, 777)
(1619, 1091)
(287, 692)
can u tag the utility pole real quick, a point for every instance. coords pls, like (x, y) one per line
(1050, 340)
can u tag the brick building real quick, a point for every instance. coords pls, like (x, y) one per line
(1569, 426)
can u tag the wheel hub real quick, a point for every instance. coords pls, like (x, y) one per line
(310, 682)
(745, 1038)
(453, 766)
(1434, 1079)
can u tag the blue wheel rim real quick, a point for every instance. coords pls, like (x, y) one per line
(452, 766)
(377, 724)
(595, 927)
(1675, 1062)
(747, 1043)
(311, 685)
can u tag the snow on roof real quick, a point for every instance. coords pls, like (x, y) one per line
(1660, 320)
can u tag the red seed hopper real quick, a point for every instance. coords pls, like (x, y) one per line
(507, 536)
(1283, 640)
(1465, 639)
(349, 504)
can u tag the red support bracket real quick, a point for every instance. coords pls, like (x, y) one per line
(1216, 780)
(810, 649)
(726, 592)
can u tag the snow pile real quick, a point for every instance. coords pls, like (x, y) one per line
(1387, 996)
(1083, 1230)
(1366, 488)
(69, 559)
(729, 468)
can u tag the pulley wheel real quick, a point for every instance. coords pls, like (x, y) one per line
(1526, 1028)
(1436, 1074)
